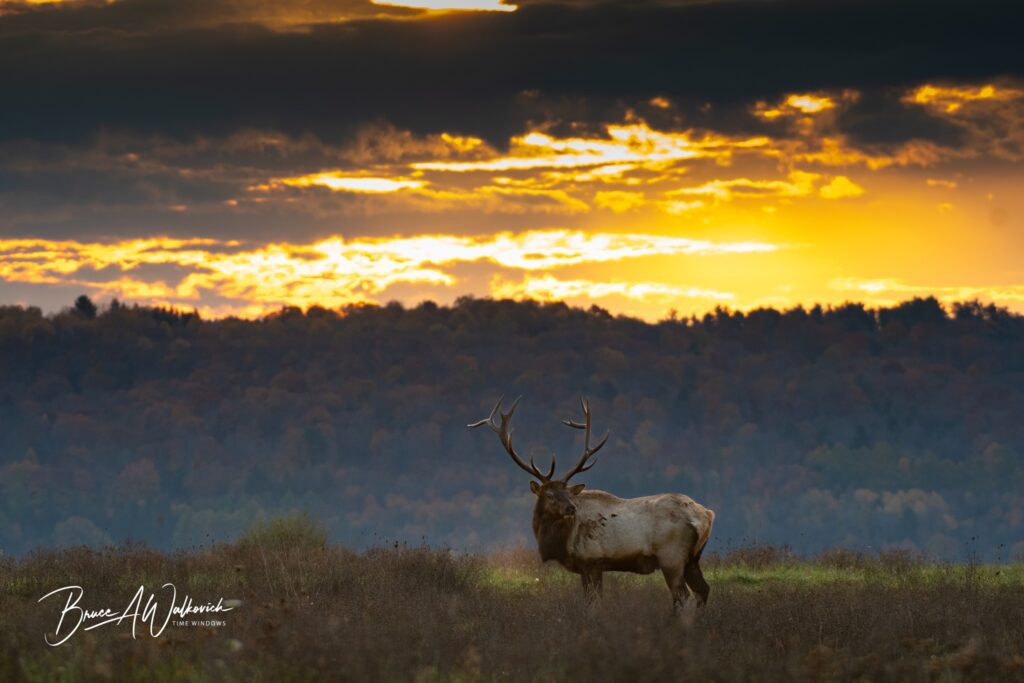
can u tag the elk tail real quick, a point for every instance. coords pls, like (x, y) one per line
(703, 534)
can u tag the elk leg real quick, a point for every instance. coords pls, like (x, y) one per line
(675, 578)
(591, 583)
(695, 580)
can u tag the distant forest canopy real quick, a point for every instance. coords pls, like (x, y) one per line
(822, 427)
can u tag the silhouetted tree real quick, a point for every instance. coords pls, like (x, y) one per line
(85, 307)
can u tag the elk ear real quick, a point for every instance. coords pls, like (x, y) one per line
(577, 489)
(534, 486)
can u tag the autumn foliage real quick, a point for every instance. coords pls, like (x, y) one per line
(810, 427)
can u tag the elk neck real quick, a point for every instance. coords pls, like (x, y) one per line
(552, 532)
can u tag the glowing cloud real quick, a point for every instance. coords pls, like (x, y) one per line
(798, 103)
(15, 5)
(619, 195)
(550, 288)
(619, 201)
(633, 167)
(449, 5)
(332, 272)
(835, 150)
(887, 291)
(636, 144)
(950, 99)
(348, 183)
(841, 187)
(809, 104)
(799, 184)
(678, 207)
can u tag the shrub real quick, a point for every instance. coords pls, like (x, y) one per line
(294, 530)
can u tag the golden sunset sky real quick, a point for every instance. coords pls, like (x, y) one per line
(240, 156)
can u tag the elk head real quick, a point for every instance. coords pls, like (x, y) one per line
(555, 511)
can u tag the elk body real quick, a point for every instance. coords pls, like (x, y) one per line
(591, 532)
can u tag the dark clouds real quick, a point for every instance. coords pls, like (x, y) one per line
(185, 69)
(150, 16)
(159, 116)
(879, 118)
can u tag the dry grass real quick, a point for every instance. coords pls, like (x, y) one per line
(316, 612)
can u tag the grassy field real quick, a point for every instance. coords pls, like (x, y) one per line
(310, 611)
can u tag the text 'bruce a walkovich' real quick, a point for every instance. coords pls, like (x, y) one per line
(141, 608)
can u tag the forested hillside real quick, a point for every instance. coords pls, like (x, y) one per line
(813, 428)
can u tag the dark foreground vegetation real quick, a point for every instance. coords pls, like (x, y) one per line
(897, 427)
(321, 612)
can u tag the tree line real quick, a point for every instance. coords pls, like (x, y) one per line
(812, 427)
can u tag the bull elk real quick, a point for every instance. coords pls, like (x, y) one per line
(591, 532)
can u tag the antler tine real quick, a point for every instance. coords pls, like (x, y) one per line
(588, 452)
(592, 451)
(505, 437)
(506, 418)
(490, 418)
(551, 470)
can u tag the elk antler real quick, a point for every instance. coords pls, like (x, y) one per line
(582, 465)
(505, 436)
